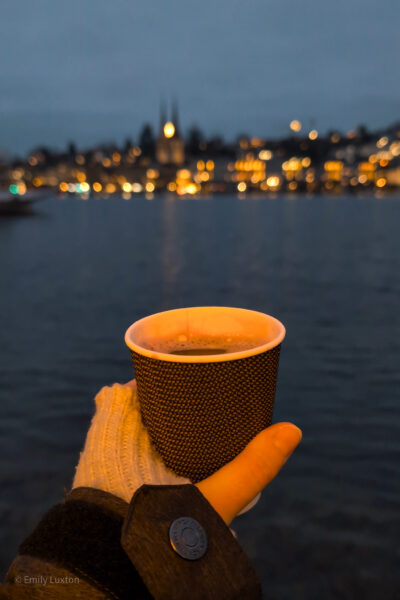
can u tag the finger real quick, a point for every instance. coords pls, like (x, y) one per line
(234, 485)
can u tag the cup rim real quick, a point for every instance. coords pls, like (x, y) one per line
(209, 358)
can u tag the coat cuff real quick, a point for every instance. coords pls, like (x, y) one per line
(182, 548)
(83, 535)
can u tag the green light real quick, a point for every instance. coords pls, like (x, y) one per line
(13, 188)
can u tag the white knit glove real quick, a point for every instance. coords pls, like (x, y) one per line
(118, 456)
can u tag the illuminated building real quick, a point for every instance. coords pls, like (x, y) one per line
(184, 183)
(170, 148)
(366, 172)
(293, 168)
(333, 170)
(249, 169)
(392, 176)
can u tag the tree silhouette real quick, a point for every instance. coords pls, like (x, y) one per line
(146, 140)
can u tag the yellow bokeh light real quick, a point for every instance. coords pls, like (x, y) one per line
(169, 130)
(150, 187)
(313, 134)
(310, 178)
(382, 142)
(171, 186)
(265, 154)
(295, 125)
(210, 165)
(292, 185)
(21, 188)
(127, 187)
(201, 165)
(333, 165)
(183, 174)
(333, 169)
(116, 157)
(306, 162)
(110, 188)
(191, 188)
(37, 182)
(366, 167)
(381, 182)
(395, 148)
(137, 187)
(63, 186)
(97, 186)
(242, 187)
(293, 164)
(273, 181)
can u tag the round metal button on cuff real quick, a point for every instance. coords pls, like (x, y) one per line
(188, 538)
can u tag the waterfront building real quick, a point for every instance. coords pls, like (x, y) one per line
(333, 170)
(170, 147)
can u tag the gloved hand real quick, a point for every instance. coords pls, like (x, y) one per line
(118, 456)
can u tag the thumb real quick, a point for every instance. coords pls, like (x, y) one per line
(233, 486)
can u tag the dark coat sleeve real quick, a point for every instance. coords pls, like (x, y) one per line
(110, 549)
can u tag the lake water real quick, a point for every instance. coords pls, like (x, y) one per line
(76, 274)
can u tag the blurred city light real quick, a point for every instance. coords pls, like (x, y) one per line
(295, 125)
(169, 130)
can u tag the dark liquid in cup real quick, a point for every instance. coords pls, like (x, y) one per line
(198, 345)
(199, 351)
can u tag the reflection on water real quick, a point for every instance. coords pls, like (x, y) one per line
(171, 259)
(78, 274)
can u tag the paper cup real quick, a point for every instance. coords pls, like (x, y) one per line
(202, 410)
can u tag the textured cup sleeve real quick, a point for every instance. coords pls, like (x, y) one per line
(164, 555)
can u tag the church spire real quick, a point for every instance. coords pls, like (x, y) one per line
(163, 115)
(175, 118)
(170, 147)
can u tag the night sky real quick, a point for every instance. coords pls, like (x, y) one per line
(93, 70)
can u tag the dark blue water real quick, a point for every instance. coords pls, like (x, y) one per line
(73, 278)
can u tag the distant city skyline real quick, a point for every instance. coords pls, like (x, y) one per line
(96, 71)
